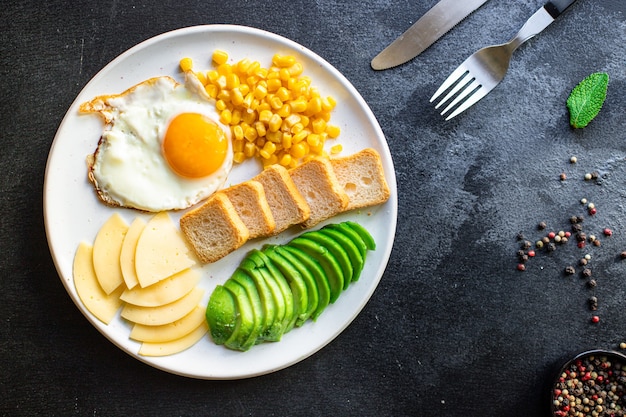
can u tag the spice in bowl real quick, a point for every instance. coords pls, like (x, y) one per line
(591, 384)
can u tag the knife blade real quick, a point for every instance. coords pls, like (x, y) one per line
(431, 26)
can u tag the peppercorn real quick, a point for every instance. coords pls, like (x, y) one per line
(587, 177)
(551, 247)
(542, 225)
(521, 267)
(573, 160)
(563, 176)
(596, 319)
(581, 236)
(592, 283)
(597, 242)
(582, 262)
(593, 303)
(539, 245)
(586, 272)
(623, 255)
(607, 232)
(570, 270)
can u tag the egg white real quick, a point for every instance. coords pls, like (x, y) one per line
(128, 168)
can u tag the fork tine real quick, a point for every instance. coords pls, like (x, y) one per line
(457, 75)
(468, 90)
(478, 94)
(459, 87)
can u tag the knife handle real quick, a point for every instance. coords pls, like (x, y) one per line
(556, 7)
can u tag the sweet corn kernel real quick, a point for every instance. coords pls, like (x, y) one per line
(314, 106)
(239, 157)
(201, 77)
(265, 116)
(238, 133)
(269, 147)
(283, 94)
(225, 69)
(300, 136)
(243, 65)
(285, 160)
(318, 125)
(249, 149)
(335, 149)
(313, 140)
(284, 111)
(275, 123)
(186, 64)
(211, 90)
(232, 81)
(298, 105)
(236, 98)
(260, 128)
(296, 69)
(273, 84)
(236, 118)
(275, 137)
(212, 76)
(250, 134)
(299, 150)
(286, 140)
(220, 105)
(226, 116)
(260, 92)
(219, 56)
(333, 131)
(283, 60)
(276, 102)
(238, 145)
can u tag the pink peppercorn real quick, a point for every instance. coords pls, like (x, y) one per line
(595, 319)
(581, 245)
(551, 235)
(531, 253)
(593, 211)
(608, 232)
(521, 267)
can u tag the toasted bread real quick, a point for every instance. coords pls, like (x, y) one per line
(249, 200)
(286, 203)
(317, 183)
(214, 229)
(362, 177)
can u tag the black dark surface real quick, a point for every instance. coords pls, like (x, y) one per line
(453, 328)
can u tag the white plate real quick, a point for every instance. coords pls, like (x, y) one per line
(72, 212)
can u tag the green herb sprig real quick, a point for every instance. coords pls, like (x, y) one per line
(586, 99)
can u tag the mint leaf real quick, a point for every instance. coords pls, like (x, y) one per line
(586, 99)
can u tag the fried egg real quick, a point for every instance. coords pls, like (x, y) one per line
(163, 146)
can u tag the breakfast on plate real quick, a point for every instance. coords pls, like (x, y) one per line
(168, 146)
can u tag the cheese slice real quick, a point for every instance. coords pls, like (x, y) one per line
(106, 253)
(174, 346)
(161, 251)
(168, 313)
(163, 292)
(103, 306)
(127, 255)
(168, 332)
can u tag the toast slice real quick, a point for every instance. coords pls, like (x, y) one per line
(250, 202)
(214, 229)
(286, 203)
(317, 183)
(362, 177)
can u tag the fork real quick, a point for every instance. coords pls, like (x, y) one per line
(483, 71)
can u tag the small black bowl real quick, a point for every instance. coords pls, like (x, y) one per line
(601, 355)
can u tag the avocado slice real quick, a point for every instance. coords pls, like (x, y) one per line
(364, 234)
(350, 248)
(291, 308)
(305, 263)
(221, 314)
(346, 230)
(267, 303)
(264, 279)
(239, 339)
(337, 251)
(296, 283)
(255, 302)
(327, 261)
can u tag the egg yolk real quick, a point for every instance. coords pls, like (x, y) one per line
(194, 145)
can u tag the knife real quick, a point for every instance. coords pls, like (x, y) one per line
(430, 27)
